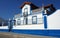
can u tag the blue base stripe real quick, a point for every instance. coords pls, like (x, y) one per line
(39, 32)
(55, 33)
(4, 30)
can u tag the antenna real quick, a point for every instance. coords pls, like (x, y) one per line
(42, 3)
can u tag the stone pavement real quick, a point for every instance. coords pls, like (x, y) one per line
(14, 35)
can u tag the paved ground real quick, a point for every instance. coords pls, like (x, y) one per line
(14, 35)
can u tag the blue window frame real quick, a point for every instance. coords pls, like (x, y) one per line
(34, 20)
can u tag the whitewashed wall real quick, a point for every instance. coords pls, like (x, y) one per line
(54, 20)
(30, 19)
(30, 27)
(3, 27)
(40, 18)
(22, 18)
(16, 20)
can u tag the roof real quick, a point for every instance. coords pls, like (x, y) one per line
(33, 7)
(49, 5)
(52, 8)
(29, 3)
(24, 4)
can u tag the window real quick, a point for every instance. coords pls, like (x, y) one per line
(14, 22)
(25, 12)
(34, 20)
(18, 21)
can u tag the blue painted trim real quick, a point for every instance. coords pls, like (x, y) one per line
(4, 30)
(32, 19)
(55, 33)
(45, 22)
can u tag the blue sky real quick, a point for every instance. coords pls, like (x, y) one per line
(8, 8)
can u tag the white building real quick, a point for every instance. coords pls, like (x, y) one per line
(35, 20)
(32, 17)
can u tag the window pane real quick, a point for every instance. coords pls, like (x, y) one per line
(34, 20)
(18, 22)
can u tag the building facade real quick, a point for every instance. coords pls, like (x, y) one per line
(35, 20)
(32, 14)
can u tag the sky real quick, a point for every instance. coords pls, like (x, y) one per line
(9, 8)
